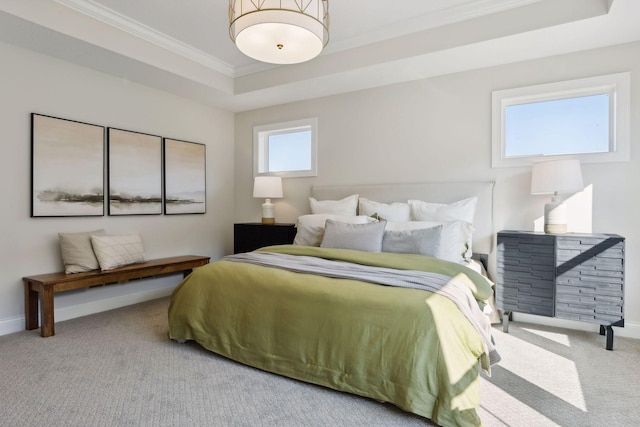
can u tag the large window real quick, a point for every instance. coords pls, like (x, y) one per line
(286, 149)
(586, 119)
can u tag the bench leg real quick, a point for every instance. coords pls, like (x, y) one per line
(30, 307)
(185, 273)
(46, 312)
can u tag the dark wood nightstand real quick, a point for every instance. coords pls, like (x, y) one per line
(253, 235)
(568, 276)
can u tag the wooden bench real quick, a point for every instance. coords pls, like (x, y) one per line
(42, 287)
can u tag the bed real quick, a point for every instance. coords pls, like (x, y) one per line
(402, 328)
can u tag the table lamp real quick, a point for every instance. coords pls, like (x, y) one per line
(267, 187)
(556, 177)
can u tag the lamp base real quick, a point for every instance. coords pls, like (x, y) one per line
(555, 228)
(268, 212)
(555, 217)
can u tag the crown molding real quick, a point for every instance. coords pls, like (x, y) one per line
(117, 20)
(442, 17)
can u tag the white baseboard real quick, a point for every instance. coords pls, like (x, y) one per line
(11, 325)
(17, 324)
(630, 329)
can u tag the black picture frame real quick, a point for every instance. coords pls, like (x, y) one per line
(185, 177)
(67, 167)
(134, 173)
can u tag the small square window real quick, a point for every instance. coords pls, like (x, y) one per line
(286, 149)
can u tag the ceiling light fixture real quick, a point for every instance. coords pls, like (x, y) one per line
(279, 31)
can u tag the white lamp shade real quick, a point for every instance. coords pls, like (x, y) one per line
(556, 176)
(267, 187)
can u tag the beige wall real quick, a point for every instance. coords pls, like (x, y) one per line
(32, 82)
(436, 129)
(439, 129)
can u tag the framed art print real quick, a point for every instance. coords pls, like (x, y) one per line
(134, 173)
(67, 167)
(184, 177)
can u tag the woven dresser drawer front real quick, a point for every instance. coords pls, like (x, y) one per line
(525, 269)
(590, 278)
(569, 276)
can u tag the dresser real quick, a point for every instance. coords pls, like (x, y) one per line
(250, 236)
(570, 276)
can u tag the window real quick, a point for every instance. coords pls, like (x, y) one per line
(586, 119)
(285, 149)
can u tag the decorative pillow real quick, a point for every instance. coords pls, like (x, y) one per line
(77, 252)
(359, 237)
(390, 212)
(117, 250)
(463, 210)
(455, 243)
(310, 228)
(346, 206)
(455, 239)
(424, 241)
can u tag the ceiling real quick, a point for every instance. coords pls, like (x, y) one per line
(183, 47)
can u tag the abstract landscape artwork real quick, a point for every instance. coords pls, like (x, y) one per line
(67, 167)
(185, 177)
(135, 173)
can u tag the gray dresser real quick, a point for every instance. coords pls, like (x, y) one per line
(569, 276)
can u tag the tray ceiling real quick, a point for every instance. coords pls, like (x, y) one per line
(184, 47)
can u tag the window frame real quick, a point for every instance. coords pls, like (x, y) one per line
(261, 135)
(617, 85)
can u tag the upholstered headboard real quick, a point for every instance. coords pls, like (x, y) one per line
(437, 192)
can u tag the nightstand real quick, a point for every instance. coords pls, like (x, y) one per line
(567, 276)
(253, 235)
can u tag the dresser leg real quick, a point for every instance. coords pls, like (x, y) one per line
(506, 316)
(609, 338)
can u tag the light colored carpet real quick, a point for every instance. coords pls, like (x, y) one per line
(118, 368)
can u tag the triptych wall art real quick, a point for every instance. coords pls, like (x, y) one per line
(145, 174)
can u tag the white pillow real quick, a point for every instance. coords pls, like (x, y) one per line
(416, 225)
(359, 237)
(463, 210)
(346, 206)
(455, 244)
(455, 239)
(117, 250)
(77, 252)
(424, 241)
(389, 212)
(310, 228)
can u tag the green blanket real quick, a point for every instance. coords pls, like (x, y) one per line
(409, 347)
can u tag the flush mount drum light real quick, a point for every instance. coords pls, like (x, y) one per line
(279, 31)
